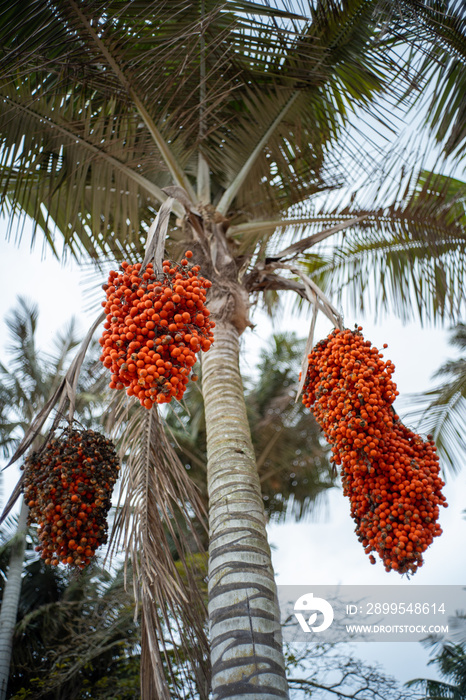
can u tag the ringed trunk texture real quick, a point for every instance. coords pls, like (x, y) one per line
(245, 634)
(11, 593)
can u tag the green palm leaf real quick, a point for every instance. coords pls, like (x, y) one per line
(443, 69)
(451, 662)
(409, 258)
(442, 411)
(88, 143)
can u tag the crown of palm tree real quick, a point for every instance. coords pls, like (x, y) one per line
(252, 109)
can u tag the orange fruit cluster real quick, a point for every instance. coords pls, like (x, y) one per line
(155, 326)
(68, 487)
(389, 473)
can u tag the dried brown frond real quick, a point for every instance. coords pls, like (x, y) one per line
(157, 525)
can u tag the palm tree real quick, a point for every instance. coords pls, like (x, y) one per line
(261, 120)
(10, 599)
(451, 661)
(26, 382)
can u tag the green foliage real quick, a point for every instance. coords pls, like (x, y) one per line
(451, 662)
(27, 379)
(76, 636)
(442, 411)
(30, 375)
(80, 115)
(406, 258)
(444, 70)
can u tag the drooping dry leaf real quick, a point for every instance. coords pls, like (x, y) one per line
(156, 236)
(64, 394)
(157, 523)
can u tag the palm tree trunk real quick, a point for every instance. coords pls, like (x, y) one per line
(245, 634)
(11, 593)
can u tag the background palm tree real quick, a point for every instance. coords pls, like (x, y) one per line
(249, 113)
(10, 598)
(451, 662)
(76, 637)
(442, 410)
(27, 379)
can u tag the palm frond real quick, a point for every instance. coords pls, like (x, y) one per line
(156, 525)
(442, 67)
(71, 629)
(411, 259)
(66, 180)
(444, 418)
(436, 690)
(305, 107)
(458, 336)
(22, 323)
(451, 664)
(64, 342)
(64, 394)
(88, 143)
(442, 411)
